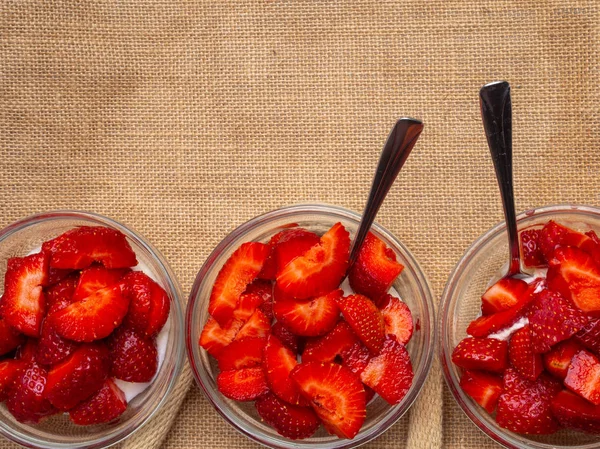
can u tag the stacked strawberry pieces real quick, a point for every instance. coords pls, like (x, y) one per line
(78, 318)
(284, 334)
(547, 375)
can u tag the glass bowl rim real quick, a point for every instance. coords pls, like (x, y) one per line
(316, 208)
(173, 285)
(502, 436)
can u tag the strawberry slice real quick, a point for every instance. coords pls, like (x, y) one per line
(264, 289)
(397, 319)
(554, 235)
(134, 357)
(240, 270)
(589, 336)
(96, 278)
(93, 318)
(80, 247)
(78, 377)
(506, 293)
(521, 355)
(51, 347)
(583, 376)
(356, 358)
(62, 292)
(214, 338)
(105, 406)
(9, 338)
(320, 269)
(486, 354)
(530, 248)
(27, 352)
(574, 273)
(285, 336)
(244, 384)
(390, 374)
(242, 353)
(524, 405)
(55, 275)
(269, 270)
(288, 420)
(365, 319)
(331, 345)
(572, 411)
(257, 326)
(23, 303)
(484, 388)
(307, 318)
(27, 400)
(375, 269)
(10, 370)
(149, 304)
(291, 244)
(558, 360)
(278, 362)
(489, 324)
(335, 394)
(552, 319)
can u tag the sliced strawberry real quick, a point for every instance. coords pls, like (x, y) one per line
(375, 268)
(52, 348)
(27, 351)
(247, 305)
(257, 326)
(288, 420)
(484, 388)
(269, 269)
(489, 324)
(572, 411)
(335, 394)
(530, 248)
(80, 247)
(27, 400)
(134, 357)
(23, 303)
(293, 243)
(320, 269)
(506, 293)
(521, 355)
(9, 338)
(78, 377)
(554, 235)
(285, 336)
(331, 345)
(264, 289)
(552, 319)
(390, 373)
(486, 354)
(558, 360)
(583, 376)
(307, 318)
(149, 304)
(356, 358)
(105, 406)
(56, 275)
(589, 336)
(214, 338)
(365, 319)
(240, 270)
(242, 353)
(524, 405)
(10, 370)
(95, 278)
(279, 361)
(244, 384)
(397, 319)
(574, 273)
(62, 292)
(93, 318)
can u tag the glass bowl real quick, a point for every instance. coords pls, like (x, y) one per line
(411, 285)
(26, 236)
(485, 262)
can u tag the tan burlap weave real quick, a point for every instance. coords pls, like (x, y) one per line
(183, 119)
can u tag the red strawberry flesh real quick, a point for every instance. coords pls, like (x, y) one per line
(242, 353)
(244, 384)
(397, 319)
(279, 361)
(506, 293)
(558, 360)
(575, 412)
(583, 376)
(331, 345)
(484, 388)
(149, 304)
(486, 354)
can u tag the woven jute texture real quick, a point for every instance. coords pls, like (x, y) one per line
(183, 119)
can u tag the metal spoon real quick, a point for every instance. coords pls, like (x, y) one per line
(399, 144)
(496, 113)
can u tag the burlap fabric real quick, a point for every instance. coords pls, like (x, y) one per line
(182, 119)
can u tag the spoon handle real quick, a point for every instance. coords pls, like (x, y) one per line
(399, 144)
(496, 112)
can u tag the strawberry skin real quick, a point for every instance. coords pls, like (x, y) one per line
(558, 360)
(530, 248)
(288, 420)
(264, 290)
(242, 353)
(149, 304)
(397, 319)
(331, 345)
(62, 292)
(589, 336)
(9, 338)
(356, 358)
(575, 412)
(486, 354)
(27, 401)
(307, 318)
(95, 278)
(390, 374)
(484, 388)
(78, 248)
(583, 376)
(23, 303)
(52, 348)
(134, 358)
(489, 324)
(554, 235)
(78, 377)
(365, 319)
(278, 362)
(285, 336)
(105, 406)
(504, 294)
(521, 355)
(10, 370)
(335, 394)
(375, 268)
(320, 269)
(240, 270)
(93, 318)
(244, 384)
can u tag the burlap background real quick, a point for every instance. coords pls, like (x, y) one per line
(182, 119)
